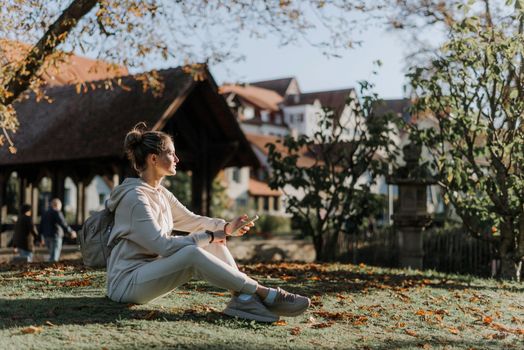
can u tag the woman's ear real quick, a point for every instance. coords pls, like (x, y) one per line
(151, 157)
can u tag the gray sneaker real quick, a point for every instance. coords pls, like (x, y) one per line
(289, 304)
(252, 309)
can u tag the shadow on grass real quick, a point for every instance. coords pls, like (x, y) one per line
(439, 343)
(312, 279)
(99, 310)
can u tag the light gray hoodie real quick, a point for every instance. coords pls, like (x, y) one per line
(144, 219)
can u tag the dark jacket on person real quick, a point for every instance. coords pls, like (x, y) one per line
(25, 233)
(53, 224)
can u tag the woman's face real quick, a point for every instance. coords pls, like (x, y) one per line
(167, 161)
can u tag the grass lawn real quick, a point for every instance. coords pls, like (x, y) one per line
(354, 307)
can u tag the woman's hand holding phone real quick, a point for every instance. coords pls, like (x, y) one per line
(240, 225)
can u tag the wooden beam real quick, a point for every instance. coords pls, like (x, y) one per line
(172, 108)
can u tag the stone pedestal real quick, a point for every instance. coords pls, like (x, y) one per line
(412, 216)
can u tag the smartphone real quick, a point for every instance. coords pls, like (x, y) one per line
(237, 231)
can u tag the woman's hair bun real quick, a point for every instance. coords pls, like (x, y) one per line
(135, 136)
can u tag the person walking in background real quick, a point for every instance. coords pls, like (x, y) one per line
(25, 233)
(52, 228)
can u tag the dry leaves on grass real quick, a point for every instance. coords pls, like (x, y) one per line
(83, 282)
(411, 332)
(32, 330)
(356, 320)
(323, 325)
(295, 331)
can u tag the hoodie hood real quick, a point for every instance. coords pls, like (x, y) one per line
(121, 190)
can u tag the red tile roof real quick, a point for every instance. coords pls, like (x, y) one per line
(260, 142)
(264, 99)
(73, 69)
(259, 188)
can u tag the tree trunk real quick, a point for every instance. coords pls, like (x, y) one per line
(510, 267)
(55, 35)
(318, 242)
(328, 248)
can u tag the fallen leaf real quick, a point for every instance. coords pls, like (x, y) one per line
(32, 330)
(487, 320)
(220, 294)
(499, 336)
(295, 331)
(76, 283)
(49, 323)
(410, 332)
(323, 325)
(280, 323)
(453, 330)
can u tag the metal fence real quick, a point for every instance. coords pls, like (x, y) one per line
(446, 250)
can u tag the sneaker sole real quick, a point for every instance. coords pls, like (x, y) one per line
(248, 316)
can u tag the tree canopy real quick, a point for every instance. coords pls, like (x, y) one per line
(474, 89)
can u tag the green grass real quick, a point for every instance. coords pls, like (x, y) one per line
(354, 307)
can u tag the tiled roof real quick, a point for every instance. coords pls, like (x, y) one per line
(259, 188)
(74, 69)
(335, 99)
(93, 125)
(262, 98)
(260, 142)
(280, 86)
(399, 107)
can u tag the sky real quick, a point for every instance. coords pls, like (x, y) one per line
(315, 72)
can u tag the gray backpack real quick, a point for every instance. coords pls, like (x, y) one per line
(94, 236)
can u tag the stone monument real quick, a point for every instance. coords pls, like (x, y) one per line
(411, 216)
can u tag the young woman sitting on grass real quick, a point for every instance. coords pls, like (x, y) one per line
(148, 262)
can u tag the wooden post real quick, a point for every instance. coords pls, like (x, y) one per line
(22, 191)
(34, 202)
(3, 180)
(58, 186)
(80, 203)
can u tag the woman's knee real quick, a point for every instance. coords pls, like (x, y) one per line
(193, 253)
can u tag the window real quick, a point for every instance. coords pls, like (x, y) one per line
(249, 113)
(264, 115)
(276, 203)
(266, 203)
(300, 118)
(255, 203)
(235, 175)
(101, 198)
(241, 203)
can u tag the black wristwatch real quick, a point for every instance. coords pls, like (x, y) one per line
(212, 234)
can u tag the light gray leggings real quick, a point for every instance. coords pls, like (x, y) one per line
(214, 264)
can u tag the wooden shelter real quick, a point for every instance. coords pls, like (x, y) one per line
(80, 135)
